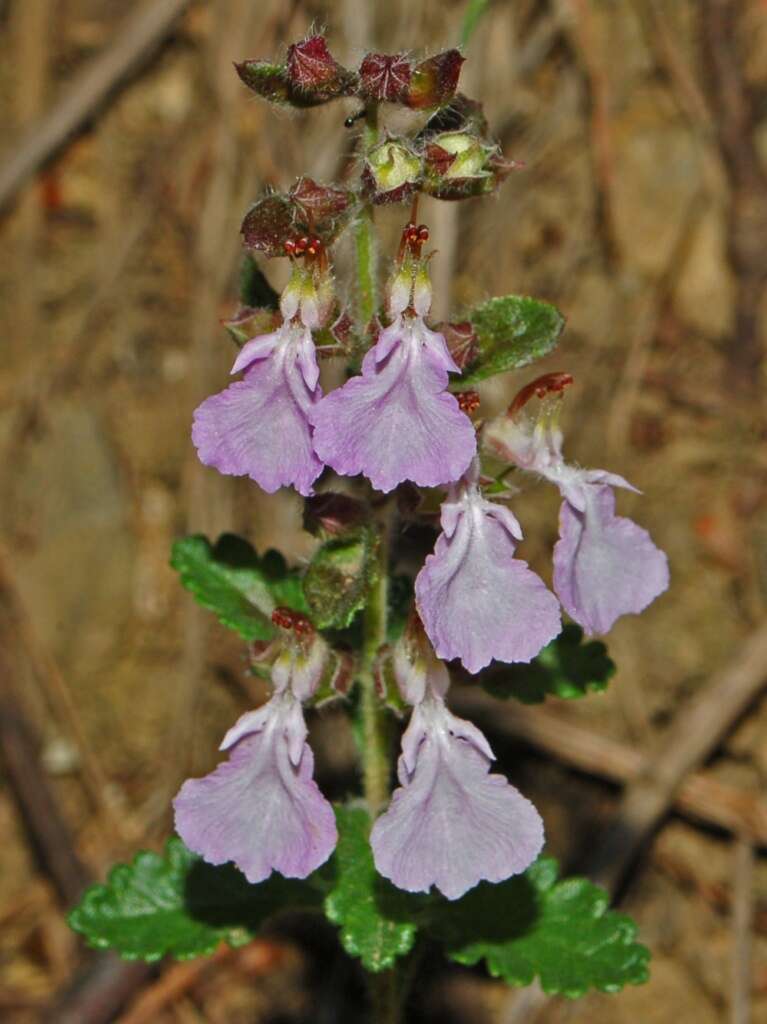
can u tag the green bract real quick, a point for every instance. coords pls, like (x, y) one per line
(511, 332)
(339, 576)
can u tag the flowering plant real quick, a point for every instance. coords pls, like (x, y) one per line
(454, 853)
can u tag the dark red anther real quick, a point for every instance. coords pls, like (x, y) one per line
(290, 247)
(301, 625)
(413, 238)
(286, 618)
(283, 617)
(548, 384)
(301, 245)
(468, 401)
(314, 247)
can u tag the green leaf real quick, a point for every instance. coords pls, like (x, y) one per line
(561, 931)
(378, 922)
(339, 577)
(566, 668)
(233, 582)
(511, 331)
(174, 903)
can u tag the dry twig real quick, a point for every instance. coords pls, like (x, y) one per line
(695, 733)
(134, 42)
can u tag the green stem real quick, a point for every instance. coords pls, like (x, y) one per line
(375, 722)
(386, 997)
(385, 992)
(365, 241)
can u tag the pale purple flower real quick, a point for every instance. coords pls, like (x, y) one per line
(259, 426)
(605, 565)
(477, 601)
(262, 809)
(396, 421)
(450, 824)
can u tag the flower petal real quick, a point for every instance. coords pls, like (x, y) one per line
(258, 809)
(605, 565)
(258, 426)
(477, 601)
(257, 348)
(395, 421)
(451, 824)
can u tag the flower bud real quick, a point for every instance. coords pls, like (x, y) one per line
(392, 171)
(385, 77)
(310, 76)
(314, 73)
(398, 288)
(433, 81)
(469, 156)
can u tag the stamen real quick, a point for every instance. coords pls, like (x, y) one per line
(468, 401)
(286, 618)
(548, 384)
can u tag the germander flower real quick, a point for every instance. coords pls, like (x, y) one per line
(259, 426)
(450, 824)
(262, 809)
(605, 565)
(477, 601)
(397, 421)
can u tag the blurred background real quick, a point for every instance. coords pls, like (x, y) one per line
(641, 212)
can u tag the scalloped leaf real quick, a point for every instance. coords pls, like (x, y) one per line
(232, 581)
(566, 668)
(377, 921)
(175, 904)
(511, 332)
(534, 925)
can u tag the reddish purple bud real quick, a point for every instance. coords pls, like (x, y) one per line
(268, 224)
(309, 217)
(433, 81)
(385, 77)
(313, 71)
(319, 203)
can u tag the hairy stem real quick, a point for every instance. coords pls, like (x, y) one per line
(375, 723)
(365, 241)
